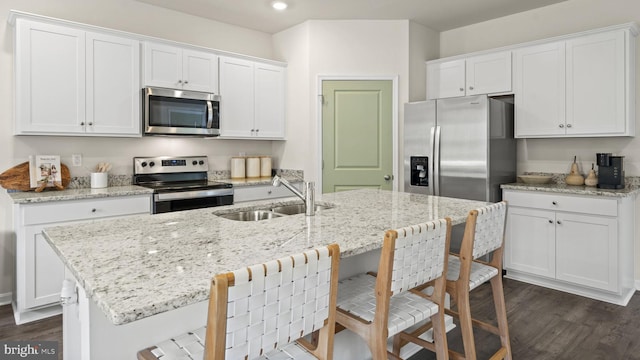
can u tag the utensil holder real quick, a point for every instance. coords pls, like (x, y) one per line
(99, 180)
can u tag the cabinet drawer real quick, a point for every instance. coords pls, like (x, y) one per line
(75, 210)
(252, 193)
(578, 204)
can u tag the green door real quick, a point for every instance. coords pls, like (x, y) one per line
(357, 135)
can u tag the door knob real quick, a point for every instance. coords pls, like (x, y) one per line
(387, 177)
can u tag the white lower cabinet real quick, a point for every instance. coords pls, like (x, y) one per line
(574, 243)
(39, 270)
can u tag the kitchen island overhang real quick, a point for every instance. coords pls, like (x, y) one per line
(144, 266)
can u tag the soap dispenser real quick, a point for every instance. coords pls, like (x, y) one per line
(574, 177)
(592, 179)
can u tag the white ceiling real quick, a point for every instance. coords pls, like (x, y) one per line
(438, 15)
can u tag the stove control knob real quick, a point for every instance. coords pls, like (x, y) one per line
(194, 163)
(201, 162)
(143, 164)
(151, 164)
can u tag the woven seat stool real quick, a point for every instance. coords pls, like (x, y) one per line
(265, 311)
(379, 306)
(483, 235)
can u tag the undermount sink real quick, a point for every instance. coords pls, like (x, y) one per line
(270, 213)
(296, 209)
(251, 215)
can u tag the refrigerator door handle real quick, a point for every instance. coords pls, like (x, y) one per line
(435, 162)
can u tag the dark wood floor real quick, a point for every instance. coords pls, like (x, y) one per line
(44, 330)
(544, 324)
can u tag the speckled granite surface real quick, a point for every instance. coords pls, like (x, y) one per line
(76, 194)
(576, 190)
(142, 265)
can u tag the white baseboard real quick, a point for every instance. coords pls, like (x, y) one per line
(5, 298)
(638, 285)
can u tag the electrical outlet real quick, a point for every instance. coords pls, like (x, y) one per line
(76, 159)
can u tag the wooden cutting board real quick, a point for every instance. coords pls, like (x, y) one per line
(17, 178)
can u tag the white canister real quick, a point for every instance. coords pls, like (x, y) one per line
(253, 167)
(238, 167)
(265, 166)
(99, 180)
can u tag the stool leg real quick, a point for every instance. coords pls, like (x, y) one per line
(501, 314)
(466, 325)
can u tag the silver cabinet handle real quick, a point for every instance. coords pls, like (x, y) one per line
(568, 125)
(561, 125)
(387, 177)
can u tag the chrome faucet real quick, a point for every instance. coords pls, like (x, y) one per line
(308, 197)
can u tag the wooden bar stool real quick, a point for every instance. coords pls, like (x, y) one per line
(379, 306)
(263, 311)
(483, 235)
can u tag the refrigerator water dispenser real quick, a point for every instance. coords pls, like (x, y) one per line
(419, 171)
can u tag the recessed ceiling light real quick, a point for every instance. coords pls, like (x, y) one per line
(279, 5)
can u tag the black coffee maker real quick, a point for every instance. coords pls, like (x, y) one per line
(610, 171)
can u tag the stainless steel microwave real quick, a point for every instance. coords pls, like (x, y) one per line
(180, 112)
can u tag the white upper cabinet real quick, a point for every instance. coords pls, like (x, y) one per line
(583, 86)
(252, 99)
(50, 78)
(539, 73)
(177, 68)
(482, 74)
(74, 82)
(596, 85)
(113, 85)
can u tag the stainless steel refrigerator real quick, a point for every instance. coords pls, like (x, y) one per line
(459, 147)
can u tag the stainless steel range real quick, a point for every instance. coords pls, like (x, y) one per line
(180, 183)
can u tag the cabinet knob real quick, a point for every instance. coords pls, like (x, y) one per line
(461, 89)
(179, 81)
(257, 130)
(186, 82)
(554, 202)
(561, 125)
(94, 210)
(568, 125)
(82, 123)
(269, 192)
(90, 124)
(558, 222)
(550, 221)
(470, 87)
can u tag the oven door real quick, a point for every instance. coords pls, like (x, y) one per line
(176, 112)
(188, 200)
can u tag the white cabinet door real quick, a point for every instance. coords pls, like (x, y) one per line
(177, 68)
(269, 101)
(162, 65)
(200, 71)
(50, 78)
(446, 79)
(587, 251)
(113, 85)
(44, 269)
(236, 98)
(596, 85)
(539, 88)
(530, 241)
(489, 73)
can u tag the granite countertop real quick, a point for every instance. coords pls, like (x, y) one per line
(630, 190)
(141, 265)
(27, 197)
(257, 181)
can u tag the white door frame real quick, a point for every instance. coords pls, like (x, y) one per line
(394, 112)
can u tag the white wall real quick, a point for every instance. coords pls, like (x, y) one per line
(555, 155)
(345, 48)
(131, 16)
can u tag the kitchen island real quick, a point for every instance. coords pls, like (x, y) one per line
(145, 278)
